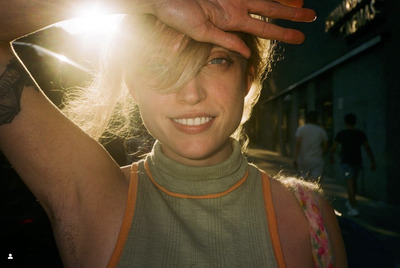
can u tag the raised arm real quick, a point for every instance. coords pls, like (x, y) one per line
(203, 20)
(72, 176)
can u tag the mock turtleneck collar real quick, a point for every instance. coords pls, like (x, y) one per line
(183, 179)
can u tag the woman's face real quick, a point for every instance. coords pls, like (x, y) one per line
(193, 124)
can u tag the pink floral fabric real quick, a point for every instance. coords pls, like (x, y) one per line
(308, 195)
(322, 251)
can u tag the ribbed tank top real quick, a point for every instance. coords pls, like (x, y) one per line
(183, 216)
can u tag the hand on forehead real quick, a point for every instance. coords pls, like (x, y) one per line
(212, 21)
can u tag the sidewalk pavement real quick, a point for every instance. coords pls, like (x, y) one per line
(382, 220)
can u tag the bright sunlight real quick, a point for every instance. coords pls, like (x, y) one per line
(91, 20)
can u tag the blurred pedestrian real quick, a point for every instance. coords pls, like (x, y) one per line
(351, 140)
(311, 145)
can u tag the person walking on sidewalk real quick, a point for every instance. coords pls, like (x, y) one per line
(311, 144)
(351, 140)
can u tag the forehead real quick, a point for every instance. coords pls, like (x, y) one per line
(156, 51)
(149, 37)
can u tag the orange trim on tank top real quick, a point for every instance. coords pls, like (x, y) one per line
(131, 202)
(272, 224)
(128, 218)
(235, 186)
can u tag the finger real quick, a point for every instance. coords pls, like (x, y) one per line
(271, 31)
(216, 36)
(278, 11)
(291, 3)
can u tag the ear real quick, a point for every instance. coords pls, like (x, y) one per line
(250, 79)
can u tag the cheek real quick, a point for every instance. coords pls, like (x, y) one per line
(232, 92)
(146, 106)
(231, 99)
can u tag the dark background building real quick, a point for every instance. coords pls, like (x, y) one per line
(348, 63)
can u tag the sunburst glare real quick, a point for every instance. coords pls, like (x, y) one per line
(91, 20)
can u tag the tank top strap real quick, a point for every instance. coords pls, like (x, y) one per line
(271, 217)
(128, 217)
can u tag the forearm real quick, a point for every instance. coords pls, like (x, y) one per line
(369, 152)
(370, 155)
(205, 21)
(21, 17)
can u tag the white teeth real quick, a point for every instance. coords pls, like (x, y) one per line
(193, 121)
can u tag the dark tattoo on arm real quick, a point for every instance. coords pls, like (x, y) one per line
(12, 82)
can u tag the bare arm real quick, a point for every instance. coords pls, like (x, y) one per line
(335, 235)
(294, 225)
(203, 20)
(70, 174)
(370, 154)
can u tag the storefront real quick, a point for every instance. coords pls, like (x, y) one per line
(347, 64)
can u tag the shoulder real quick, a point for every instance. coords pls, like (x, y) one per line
(284, 191)
(292, 224)
(321, 220)
(294, 184)
(288, 191)
(298, 194)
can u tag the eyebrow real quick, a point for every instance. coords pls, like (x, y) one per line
(232, 53)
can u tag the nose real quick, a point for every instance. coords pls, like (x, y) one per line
(192, 93)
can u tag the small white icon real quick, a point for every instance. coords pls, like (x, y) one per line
(10, 257)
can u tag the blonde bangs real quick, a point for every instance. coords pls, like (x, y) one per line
(163, 59)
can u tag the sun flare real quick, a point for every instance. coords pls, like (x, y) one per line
(91, 20)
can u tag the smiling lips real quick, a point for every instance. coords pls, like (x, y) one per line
(193, 125)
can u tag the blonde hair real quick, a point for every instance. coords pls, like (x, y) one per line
(104, 109)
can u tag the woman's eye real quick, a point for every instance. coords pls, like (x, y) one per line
(219, 61)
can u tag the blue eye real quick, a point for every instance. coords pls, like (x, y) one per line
(219, 61)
